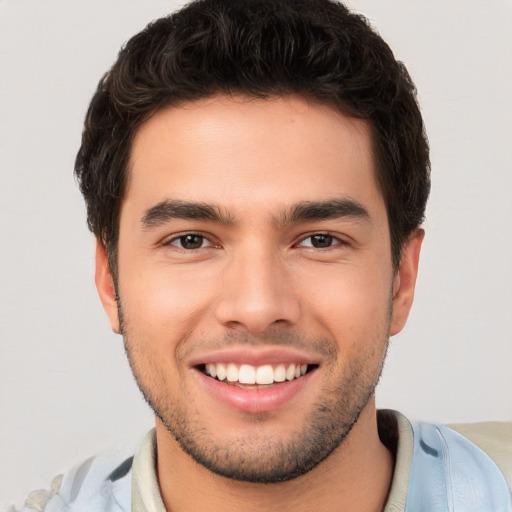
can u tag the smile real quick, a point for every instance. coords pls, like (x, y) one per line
(246, 374)
(255, 389)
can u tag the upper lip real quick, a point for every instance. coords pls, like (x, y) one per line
(255, 356)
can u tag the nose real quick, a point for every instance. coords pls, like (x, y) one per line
(257, 294)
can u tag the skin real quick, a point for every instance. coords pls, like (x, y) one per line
(256, 282)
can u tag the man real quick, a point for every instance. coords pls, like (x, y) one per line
(256, 175)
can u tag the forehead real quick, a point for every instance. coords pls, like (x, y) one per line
(240, 152)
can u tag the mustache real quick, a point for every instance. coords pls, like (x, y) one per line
(323, 346)
(279, 338)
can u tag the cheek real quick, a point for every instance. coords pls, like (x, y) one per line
(164, 299)
(351, 303)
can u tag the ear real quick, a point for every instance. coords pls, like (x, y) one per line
(405, 281)
(105, 286)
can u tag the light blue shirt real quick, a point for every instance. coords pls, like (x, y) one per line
(437, 470)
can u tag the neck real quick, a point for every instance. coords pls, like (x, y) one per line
(340, 482)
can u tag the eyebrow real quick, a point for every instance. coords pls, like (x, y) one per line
(305, 211)
(309, 211)
(173, 209)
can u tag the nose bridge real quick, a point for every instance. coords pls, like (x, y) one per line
(256, 293)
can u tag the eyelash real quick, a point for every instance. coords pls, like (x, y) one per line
(334, 241)
(183, 236)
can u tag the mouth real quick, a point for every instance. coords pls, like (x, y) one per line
(255, 380)
(255, 377)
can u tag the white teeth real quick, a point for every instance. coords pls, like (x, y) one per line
(211, 369)
(265, 374)
(232, 373)
(221, 372)
(280, 373)
(248, 374)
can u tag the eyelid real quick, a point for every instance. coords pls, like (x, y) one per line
(339, 240)
(168, 241)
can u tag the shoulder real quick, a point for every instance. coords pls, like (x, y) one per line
(495, 439)
(449, 467)
(461, 475)
(100, 484)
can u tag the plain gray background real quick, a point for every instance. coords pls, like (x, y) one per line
(65, 389)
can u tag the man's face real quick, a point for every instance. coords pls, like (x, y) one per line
(255, 280)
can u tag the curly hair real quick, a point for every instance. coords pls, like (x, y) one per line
(259, 48)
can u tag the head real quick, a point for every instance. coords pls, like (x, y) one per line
(255, 173)
(261, 49)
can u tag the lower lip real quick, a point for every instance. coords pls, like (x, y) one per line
(254, 400)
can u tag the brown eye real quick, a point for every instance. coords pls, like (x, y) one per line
(321, 241)
(190, 241)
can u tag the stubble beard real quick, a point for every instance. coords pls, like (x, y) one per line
(261, 459)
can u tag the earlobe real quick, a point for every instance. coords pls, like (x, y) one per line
(405, 281)
(105, 286)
